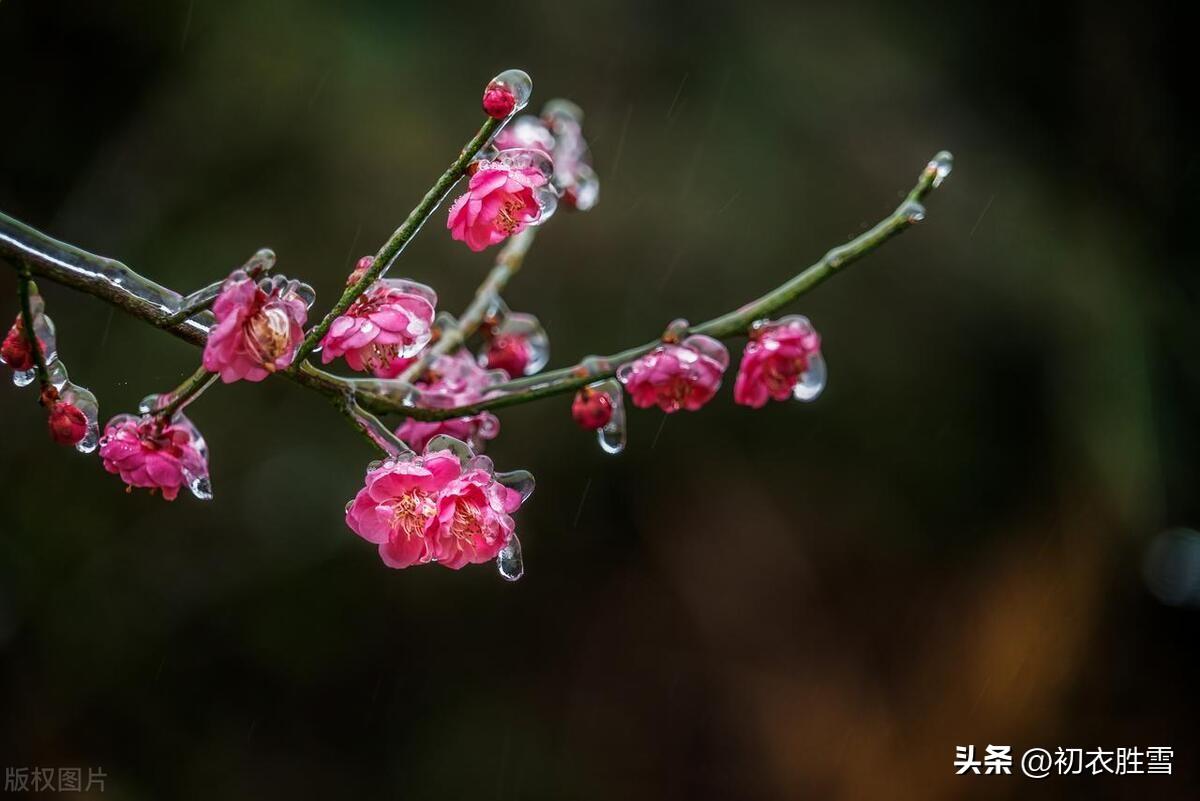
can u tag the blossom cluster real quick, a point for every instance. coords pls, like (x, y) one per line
(436, 507)
(436, 498)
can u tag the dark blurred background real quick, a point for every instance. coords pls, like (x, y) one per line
(962, 542)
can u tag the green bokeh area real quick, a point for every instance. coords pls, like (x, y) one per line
(807, 601)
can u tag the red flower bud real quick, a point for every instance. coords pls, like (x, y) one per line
(591, 409)
(16, 351)
(68, 425)
(498, 101)
(509, 353)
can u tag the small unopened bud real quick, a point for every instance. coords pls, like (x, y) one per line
(510, 353)
(15, 351)
(591, 409)
(68, 425)
(498, 101)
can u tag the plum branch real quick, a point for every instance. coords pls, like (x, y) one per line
(395, 244)
(734, 323)
(115, 283)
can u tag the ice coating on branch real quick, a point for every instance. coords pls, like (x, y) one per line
(453, 380)
(507, 93)
(392, 320)
(150, 452)
(782, 360)
(446, 505)
(674, 377)
(259, 326)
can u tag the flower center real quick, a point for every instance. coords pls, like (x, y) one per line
(506, 218)
(467, 524)
(412, 511)
(269, 333)
(378, 355)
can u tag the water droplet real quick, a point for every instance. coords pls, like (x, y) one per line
(200, 486)
(261, 263)
(23, 378)
(941, 165)
(812, 380)
(518, 83)
(509, 563)
(612, 436)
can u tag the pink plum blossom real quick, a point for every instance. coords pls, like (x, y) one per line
(500, 201)
(777, 358)
(398, 508)
(452, 380)
(674, 377)
(259, 327)
(442, 506)
(474, 522)
(392, 320)
(152, 453)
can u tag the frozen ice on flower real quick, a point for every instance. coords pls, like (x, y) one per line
(154, 453)
(259, 326)
(600, 407)
(446, 505)
(782, 360)
(72, 410)
(518, 345)
(392, 320)
(525, 133)
(16, 353)
(676, 376)
(501, 200)
(507, 93)
(453, 380)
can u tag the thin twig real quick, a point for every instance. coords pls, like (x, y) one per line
(182, 395)
(508, 262)
(202, 299)
(396, 242)
(25, 288)
(734, 323)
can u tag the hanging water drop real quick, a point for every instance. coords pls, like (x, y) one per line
(509, 562)
(812, 380)
(612, 435)
(201, 487)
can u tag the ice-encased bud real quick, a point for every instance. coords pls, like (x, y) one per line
(507, 93)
